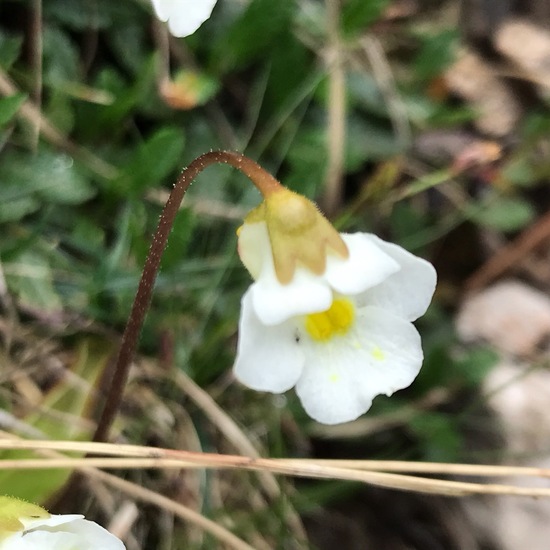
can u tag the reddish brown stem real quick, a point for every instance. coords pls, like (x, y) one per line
(265, 183)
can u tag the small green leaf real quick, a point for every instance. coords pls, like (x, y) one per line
(29, 276)
(255, 32)
(476, 364)
(154, 160)
(357, 15)
(506, 214)
(10, 47)
(14, 207)
(50, 176)
(439, 435)
(60, 57)
(9, 107)
(436, 54)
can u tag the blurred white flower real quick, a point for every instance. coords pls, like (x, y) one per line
(184, 17)
(65, 532)
(341, 336)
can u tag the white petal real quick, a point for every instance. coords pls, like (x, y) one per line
(63, 533)
(275, 303)
(254, 246)
(52, 521)
(408, 292)
(162, 8)
(268, 357)
(184, 16)
(381, 355)
(93, 534)
(366, 266)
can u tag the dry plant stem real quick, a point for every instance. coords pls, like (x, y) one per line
(265, 183)
(383, 74)
(511, 254)
(161, 37)
(362, 470)
(336, 112)
(297, 468)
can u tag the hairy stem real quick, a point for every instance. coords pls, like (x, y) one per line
(265, 183)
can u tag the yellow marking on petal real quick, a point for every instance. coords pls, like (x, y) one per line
(378, 354)
(336, 320)
(334, 377)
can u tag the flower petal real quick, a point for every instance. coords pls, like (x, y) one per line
(52, 521)
(63, 533)
(381, 355)
(268, 357)
(367, 265)
(254, 246)
(184, 16)
(275, 303)
(406, 293)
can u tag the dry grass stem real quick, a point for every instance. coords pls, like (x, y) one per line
(133, 490)
(384, 76)
(371, 472)
(336, 129)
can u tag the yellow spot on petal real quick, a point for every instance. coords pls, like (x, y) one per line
(378, 354)
(336, 320)
(334, 377)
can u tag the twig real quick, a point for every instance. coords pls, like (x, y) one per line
(384, 76)
(370, 472)
(509, 255)
(336, 128)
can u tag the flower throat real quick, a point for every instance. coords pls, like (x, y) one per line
(336, 320)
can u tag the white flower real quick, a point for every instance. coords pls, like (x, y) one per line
(340, 337)
(65, 532)
(184, 17)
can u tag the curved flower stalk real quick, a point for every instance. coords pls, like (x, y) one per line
(184, 17)
(328, 314)
(25, 526)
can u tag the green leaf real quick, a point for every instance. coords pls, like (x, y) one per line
(10, 48)
(14, 207)
(60, 57)
(30, 277)
(98, 15)
(440, 437)
(357, 15)
(506, 214)
(254, 33)
(436, 54)
(159, 156)
(476, 364)
(49, 176)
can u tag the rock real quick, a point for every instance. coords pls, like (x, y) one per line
(510, 315)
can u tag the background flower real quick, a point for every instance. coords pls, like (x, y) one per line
(184, 17)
